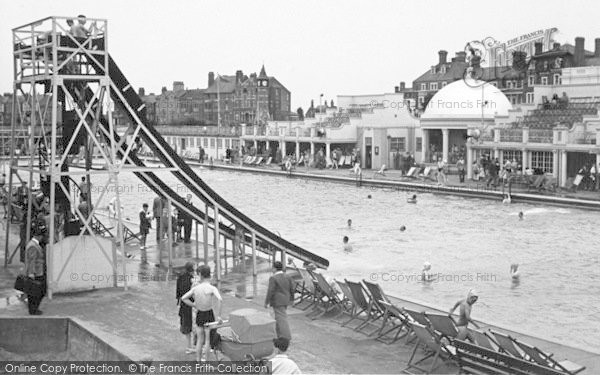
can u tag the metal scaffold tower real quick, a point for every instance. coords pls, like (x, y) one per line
(64, 81)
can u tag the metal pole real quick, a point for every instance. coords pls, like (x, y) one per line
(217, 251)
(205, 234)
(10, 168)
(197, 239)
(51, 168)
(283, 258)
(225, 252)
(254, 254)
(170, 234)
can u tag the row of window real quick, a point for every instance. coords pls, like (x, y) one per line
(543, 160)
(398, 144)
(432, 86)
(206, 142)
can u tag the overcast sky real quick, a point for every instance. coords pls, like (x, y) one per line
(312, 47)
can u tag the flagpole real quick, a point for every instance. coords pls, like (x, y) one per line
(218, 114)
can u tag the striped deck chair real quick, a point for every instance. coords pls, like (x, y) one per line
(507, 345)
(413, 172)
(269, 160)
(426, 173)
(306, 290)
(300, 161)
(326, 296)
(435, 349)
(342, 160)
(348, 161)
(361, 307)
(443, 324)
(398, 321)
(258, 160)
(546, 360)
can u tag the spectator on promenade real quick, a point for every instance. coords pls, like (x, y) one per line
(334, 159)
(464, 317)
(145, 225)
(441, 174)
(157, 209)
(460, 166)
(476, 170)
(281, 363)
(36, 269)
(280, 294)
(207, 300)
(79, 30)
(184, 284)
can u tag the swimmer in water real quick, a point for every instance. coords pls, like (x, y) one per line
(349, 223)
(514, 271)
(347, 246)
(426, 275)
(369, 196)
(402, 228)
(412, 199)
(521, 215)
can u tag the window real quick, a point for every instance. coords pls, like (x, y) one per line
(531, 80)
(443, 69)
(420, 142)
(444, 84)
(219, 143)
(557, 80)
(433, 70)
(543, 160)
(434, 86)
(198, 142)
(227, 143)
(511, 155)
(398, 144)
(212, 143)
(205, 140)
(544, 81)
(509, 85)
(423, 86)
(529, 98)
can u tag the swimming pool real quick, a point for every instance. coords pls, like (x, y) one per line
(470, 243)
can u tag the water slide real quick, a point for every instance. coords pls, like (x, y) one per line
(188, 177)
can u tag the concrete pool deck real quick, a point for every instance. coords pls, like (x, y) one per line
(394, 180)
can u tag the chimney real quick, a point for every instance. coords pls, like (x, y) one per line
(396, 89)
(402, 86)
(538, 48)
(597, 50)
(443, 54)
(461, 56)
(141, 92)
(164, 89)
(556, 46)
(579, 45)
(238, 76)
(211, 78)
(178, 86)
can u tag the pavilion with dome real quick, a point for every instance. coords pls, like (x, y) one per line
(454, 112)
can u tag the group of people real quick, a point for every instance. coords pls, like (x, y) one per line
(195, 294)
(492, 171)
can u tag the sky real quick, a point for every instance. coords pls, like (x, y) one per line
(312, 47)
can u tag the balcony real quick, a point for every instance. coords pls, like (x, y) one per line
(511, 135)
(540, 135)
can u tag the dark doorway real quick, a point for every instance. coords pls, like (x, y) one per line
(576, 160)
(183, 143)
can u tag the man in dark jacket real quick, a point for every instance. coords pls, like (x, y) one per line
(280, 294)
(35, 270)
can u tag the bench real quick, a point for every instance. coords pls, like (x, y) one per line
(480, 360)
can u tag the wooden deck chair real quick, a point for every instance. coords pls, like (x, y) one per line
(507, 345)
(361, 310)
(443, 324)
(377, 299)
(346, 299)
(348, 161)
(307, 290)
(381, 171)
(398, 322)
(328, 163)
(269, 160)
(413, 172)
(426, 173)
(546, 360)
(327, 298)
(537, 183)
(300, 161)
(435, 349)
(258, 160)
(342, 160)
(483, 339)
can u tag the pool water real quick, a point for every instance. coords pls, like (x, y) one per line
(470, 243)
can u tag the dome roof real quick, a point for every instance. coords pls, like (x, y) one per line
(463, 99)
